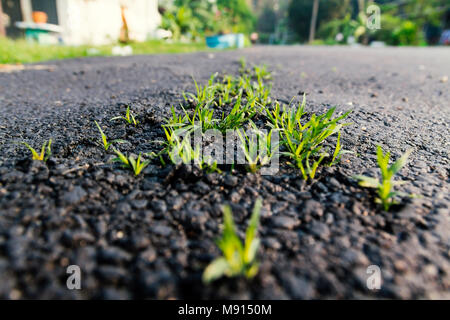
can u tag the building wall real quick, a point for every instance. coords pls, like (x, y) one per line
(99, 21)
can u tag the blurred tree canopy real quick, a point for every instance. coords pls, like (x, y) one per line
(403, 22)
(272, 23)
(196, 18)
(299, 14)
(238, 14)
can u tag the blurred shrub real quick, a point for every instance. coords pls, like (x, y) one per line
(346, 27)
(193, 19)
(299, 14)
(237, 14)
(396, 31)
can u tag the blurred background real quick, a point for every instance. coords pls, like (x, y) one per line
(36, 30)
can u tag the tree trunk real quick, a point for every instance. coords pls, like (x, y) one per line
(2, 23)
(312, 29)
(361, 6)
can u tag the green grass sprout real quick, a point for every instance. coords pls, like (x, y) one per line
(258, 148)
(105, 142)
(303, 140)
(46, 151)
(129, 117)
(178, 149)
(135, 165)
(238, 116)
(386, 195)
(338, 152)
(238, 259)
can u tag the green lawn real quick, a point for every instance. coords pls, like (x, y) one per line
(21, 51)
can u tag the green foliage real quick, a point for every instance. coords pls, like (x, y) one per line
(22, 51)
(407, 33)
(400, 24)
(384, 187)
(195, 18)
(178, 148)
(258, 147)
(181, 21)
(129, 117)
(299, 14)
(304, 141)
(46, 151)
(239, 114)
(238, 259)
(346, 26)
(105, 142)
(222, 104)
(244, 94)
(338, 151)
(267, 20)
(239, 16)
(130, 162)
(301, 140)
(419, 12)
(397, 31)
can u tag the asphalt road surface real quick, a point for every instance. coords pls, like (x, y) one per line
(152, 236)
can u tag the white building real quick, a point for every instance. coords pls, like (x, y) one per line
(92, 22)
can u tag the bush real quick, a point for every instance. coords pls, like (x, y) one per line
(197, 18)
(395, 31)
(345, 26)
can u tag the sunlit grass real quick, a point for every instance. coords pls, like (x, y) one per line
(385, 186)
(22, 51)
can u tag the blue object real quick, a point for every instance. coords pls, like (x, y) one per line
(225, 41)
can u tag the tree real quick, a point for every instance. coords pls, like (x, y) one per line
(300, 14)
(312, 28)
(2, 24)
(267, 20)
(195, 18)
(239, 13)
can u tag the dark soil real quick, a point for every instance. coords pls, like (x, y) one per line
(152, 236)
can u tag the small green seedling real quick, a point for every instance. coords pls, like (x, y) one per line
(239, 114)
(238, 259)
(338, 152)
(204, 94)
(46, 151)
(105, 142)
(243, 66)
(384, 187)
(129, 117)
(136, 165)
(261, 72)
(304, 141)
(179, 150)
(258, 147)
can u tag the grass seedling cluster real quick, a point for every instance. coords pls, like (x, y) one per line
(46, 151)
(228, 103)
(258, 147)
(386, 195)
(104, 140)
(238, 259)
(128, 118)
(231, 103)
(179, 149)
(130, 162)
(303, 139)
